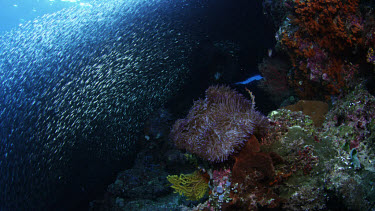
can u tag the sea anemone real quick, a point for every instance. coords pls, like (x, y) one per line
(219, 125)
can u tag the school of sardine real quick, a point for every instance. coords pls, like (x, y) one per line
(83, 79)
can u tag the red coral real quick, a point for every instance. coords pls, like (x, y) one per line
(325, 22)
(251, 173)
(329, 27)
(306, 160)
(250, 158)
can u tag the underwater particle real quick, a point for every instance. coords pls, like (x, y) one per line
(217, 75)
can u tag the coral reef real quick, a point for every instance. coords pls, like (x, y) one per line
(221, 188)
(294, 165)
(324, 169)
(306, 198)
(320, 36)
(249, 158)
(370, 56)
(369, 31)
(304, 152)
(145, 185)
(252, 174)
(351, 123)
(131, 184)
(315, 109)
(194, 186)
(308, 156)
(283, 119)
(218, 126)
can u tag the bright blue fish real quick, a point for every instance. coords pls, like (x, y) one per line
(251, 79)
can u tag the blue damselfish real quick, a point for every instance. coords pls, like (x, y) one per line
(251, 79)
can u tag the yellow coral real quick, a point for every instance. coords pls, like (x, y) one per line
(193, 186)
(371, 56)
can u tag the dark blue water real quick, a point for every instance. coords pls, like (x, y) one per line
(78, 83)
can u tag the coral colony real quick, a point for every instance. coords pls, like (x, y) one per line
(285, 161)
(308, 156)
(322, 38)
(316, 151)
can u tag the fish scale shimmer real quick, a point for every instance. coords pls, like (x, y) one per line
(77, 86)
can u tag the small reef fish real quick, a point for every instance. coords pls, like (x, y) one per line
(251, 79)
(270, 52)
